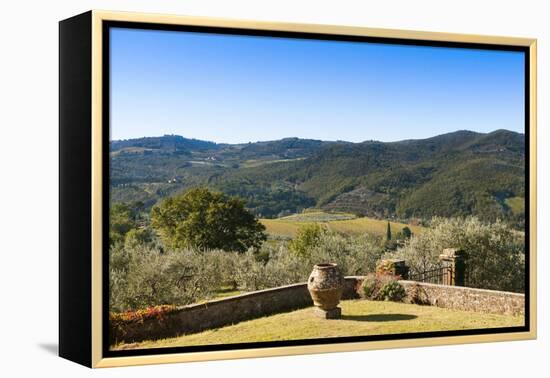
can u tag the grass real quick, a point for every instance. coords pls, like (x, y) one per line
(359, 318)
(287, 227)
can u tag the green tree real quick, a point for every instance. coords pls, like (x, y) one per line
(136, 237)
(306, 239)
(388, 232)
(407, 233)
(203, 219)
(121, 220)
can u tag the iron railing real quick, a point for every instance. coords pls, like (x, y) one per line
(441, 276)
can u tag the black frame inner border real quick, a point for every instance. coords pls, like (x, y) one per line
(107, 25)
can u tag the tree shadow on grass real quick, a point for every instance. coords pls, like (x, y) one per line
(379, 317)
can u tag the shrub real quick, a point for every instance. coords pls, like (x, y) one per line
(392, 291)
(370, 287)
(382, 287)
(156, 312)
(385, 267)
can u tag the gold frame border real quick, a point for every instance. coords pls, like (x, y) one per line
(97, 181)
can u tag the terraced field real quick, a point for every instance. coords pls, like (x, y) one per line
(344, 223)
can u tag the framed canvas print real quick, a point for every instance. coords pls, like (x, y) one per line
(235, 189)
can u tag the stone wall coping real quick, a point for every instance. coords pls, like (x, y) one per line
(256, 293)
(237, 297)
(214, 302)
(355, 277)
(465, 288)
(285, 287)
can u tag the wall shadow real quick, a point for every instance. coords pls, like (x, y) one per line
(379, 317)
(50, 348)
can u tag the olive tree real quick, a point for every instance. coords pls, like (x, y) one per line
(495, 252)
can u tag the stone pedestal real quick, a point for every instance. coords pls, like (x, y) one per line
(335, 313)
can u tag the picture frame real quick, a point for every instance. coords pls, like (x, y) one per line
(84, 160)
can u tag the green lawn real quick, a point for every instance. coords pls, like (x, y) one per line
(359, 317)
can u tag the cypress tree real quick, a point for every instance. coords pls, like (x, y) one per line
(388, 232)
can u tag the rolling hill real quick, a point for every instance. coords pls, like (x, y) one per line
(455, 174)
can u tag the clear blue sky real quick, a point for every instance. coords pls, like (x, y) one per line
(237, 89)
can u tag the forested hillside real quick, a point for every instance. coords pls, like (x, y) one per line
(460, 173)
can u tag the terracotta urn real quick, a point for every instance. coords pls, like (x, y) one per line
(326, 285)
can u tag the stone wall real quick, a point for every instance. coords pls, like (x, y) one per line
(453, 297)
(214, 314)
(465, 298)
(227, 311)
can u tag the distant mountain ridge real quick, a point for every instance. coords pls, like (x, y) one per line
(166, 142)
(459, 173)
